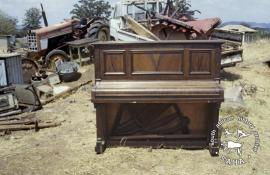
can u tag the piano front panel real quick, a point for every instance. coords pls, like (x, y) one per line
(158, 64)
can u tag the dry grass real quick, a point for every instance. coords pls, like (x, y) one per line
(69, 149)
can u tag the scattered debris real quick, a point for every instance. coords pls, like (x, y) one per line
(234, 95)
(54, 79)
(26, 122)
(68, 71)
(60, 89)
(44, 91)
(8, 102)
(28, 98)
(250, 89)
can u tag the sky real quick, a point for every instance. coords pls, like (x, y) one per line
(229, 10)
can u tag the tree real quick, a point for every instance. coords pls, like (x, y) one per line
(182, 8)
(7, 24)
(91, 8)
(32, 19)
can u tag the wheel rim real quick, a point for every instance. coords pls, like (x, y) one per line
(54, 59)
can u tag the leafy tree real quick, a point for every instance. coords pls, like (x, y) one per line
(7, 24)
(183, 8)
(32, 19)
(91, 8)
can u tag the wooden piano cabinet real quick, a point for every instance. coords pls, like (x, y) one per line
(159, 94)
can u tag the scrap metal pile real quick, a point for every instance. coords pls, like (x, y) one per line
(47, 69)
(167, 23)
(16, 97)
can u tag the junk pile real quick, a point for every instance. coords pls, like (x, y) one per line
(49, 84)
(17, 97)
(49, 67)
(157, 20)
(19, 94)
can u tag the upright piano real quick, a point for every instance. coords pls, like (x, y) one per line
(163, 94)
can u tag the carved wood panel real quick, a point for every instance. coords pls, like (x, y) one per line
(114, 62)
(157, 62)
(200, 62)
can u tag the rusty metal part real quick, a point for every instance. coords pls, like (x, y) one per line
(28, 127)
(170, 20)
(201, 27)
(44, 15)
(28, 98)
(205, 26)
(167, 33)
(167, 28)
(51, 31)
(30, 68)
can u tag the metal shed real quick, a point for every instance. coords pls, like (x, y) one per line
(248, 34)
(11, 69)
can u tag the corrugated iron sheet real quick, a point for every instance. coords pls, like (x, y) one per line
(13, 64)
(204, 26)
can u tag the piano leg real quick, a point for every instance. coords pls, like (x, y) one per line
(214, 151)
(213, 137)
(101, 128)
(100, 146)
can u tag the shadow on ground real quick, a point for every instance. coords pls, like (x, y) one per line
(228, 76)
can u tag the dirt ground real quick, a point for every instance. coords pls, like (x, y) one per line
(69, 148)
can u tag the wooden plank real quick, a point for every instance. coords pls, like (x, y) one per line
(26, 122)
(27, 127)
(20, 117)
(139, 29)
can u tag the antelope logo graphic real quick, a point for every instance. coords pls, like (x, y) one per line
(230, 145)
(233, 143)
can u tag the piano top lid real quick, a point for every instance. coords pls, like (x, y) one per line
(102, 43)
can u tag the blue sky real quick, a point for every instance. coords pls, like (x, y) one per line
(229, 10)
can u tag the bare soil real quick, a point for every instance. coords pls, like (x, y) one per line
(69, 148)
